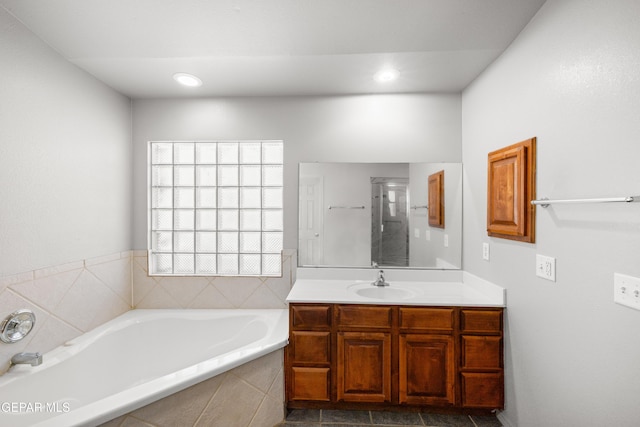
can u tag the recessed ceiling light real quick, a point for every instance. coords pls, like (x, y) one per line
(386, 75)
(187, 79)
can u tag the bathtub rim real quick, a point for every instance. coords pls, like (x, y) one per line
(129, 400)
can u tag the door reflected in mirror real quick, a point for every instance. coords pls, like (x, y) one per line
(355, 214)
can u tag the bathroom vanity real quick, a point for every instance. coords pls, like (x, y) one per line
(407, 346)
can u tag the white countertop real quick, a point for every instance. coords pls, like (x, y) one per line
(470, 292)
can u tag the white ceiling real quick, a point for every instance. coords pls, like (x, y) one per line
(277, 47)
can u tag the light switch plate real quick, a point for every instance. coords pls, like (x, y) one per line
(427, 235)
(416, 233)
(485, 251)
(546, 267)
(626, 290)
(446, 240)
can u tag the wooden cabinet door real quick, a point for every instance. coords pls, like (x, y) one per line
(511, 187)
(364, 367)
(427, 369)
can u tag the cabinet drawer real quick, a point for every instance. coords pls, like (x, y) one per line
(433, 319)
(481, 352)
(482, 390)
(310, 384)
(310, 347)
(481, 320)
(360, 316)
(310, 316)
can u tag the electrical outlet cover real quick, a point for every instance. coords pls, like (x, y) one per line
(626, 290)
(546, 267)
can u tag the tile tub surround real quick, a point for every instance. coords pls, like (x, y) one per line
(75, 297)
(335, 418)
(211, 292)
(68, 300)
(251, 395)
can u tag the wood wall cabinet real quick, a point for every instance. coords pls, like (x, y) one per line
(511, 186)
(435, 208)
(370, 356)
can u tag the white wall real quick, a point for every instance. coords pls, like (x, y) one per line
(65, 158)
(572, 80)
(371, 128)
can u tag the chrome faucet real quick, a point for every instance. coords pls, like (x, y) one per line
(380, 281)
(33, 359)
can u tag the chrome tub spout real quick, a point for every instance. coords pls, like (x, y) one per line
(33, 359)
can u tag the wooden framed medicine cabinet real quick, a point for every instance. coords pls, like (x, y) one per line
(436, 199)
(510, 189)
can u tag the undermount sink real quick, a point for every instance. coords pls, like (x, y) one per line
(382, 292)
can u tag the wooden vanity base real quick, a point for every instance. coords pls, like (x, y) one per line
(402, 358)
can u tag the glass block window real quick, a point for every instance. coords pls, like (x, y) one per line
(215, 208)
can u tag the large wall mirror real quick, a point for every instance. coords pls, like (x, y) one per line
(397, 215)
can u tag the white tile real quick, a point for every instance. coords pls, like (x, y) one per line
(158, 297)
(281, 286)
(142, 261)
(116, 422)
(53, 334)
(209, 298)
(270, 413)
(236, 289)
(141, 282)
(183, 289)
(116, 274)
(277, 387)
(48, 291)
(182, 408)
(49, 271)
(261, 372)
(15, 279)
(133, 422)
(90, 303)
(262, 297)
(235, 404)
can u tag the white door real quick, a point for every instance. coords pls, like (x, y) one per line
(310, 223)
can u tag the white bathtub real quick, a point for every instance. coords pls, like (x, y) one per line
(133, 360)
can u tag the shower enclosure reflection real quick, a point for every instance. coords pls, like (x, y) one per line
(353, 214)
(389, 221)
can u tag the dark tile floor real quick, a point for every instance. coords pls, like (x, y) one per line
(335, 418)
